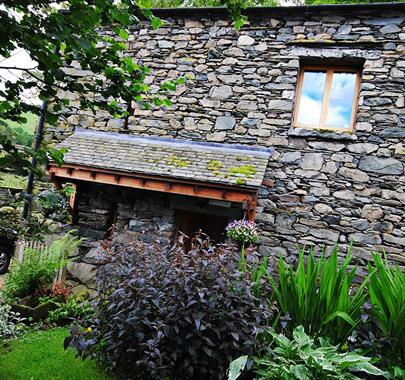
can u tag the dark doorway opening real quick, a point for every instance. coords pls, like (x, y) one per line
(189, 223)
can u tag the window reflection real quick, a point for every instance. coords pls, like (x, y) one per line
(310, 105)
(341, 100)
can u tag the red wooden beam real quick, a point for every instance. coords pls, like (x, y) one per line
(174, 186)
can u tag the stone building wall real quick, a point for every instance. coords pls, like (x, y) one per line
(135, 214)
(138, 214)
(320, 186)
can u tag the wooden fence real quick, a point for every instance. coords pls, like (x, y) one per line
(21, 246)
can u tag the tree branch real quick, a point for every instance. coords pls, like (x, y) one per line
(18, 68)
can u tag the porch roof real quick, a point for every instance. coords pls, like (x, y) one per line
(208, 163)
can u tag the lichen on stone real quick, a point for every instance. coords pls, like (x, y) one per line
(247, 171)
(215, 167)
(240, 181)
(242, 158)
(177, 162)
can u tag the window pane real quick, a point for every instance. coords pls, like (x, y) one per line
(341, 100)
(310, 105)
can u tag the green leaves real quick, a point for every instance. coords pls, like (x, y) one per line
(37, 270)
(174, 314)
(57, 155)
(123, 34)
(236, 367)
(239, 21)
(387, 296)
(84, 43)
(305, 358)
(318, 295)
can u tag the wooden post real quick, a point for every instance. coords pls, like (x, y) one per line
(19, 251)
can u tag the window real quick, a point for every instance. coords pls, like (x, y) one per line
(327, 98)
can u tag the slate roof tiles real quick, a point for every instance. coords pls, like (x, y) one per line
(225, 164)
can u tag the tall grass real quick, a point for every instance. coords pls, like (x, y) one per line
(320, 295)
(387, 296)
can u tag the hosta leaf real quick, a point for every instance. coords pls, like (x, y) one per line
(300, 372)
(236, 367)
(300, 337)
(367, 367)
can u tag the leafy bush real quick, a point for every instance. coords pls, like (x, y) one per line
(38, 267)
(71, 309)
(172, 314)
(320, 296)
(58, 292)
(10, 322)
(387, 296)
(51, 201)
(303, 358)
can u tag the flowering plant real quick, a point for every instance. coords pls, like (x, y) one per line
(242, 230)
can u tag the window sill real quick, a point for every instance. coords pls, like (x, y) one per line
(322, 134)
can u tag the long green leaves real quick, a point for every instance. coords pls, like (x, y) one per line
(38, 268)
(387, 295)
(320, 295)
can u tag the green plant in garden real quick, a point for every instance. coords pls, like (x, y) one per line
(321, 295)
(304, 358)
(172, 314)
(387, 296)
(10, 322)
(71, 309)
(37, 270)
(244, 232)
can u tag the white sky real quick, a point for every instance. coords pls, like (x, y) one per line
(19, 58)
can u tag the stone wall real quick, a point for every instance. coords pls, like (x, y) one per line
(135, 214)
(320, 187)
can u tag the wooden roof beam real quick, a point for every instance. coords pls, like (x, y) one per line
(174, 186)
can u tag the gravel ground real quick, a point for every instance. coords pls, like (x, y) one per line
(1, 281)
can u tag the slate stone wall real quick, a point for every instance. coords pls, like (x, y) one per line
(135, 214)
(320, 187)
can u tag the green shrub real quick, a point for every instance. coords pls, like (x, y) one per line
(320, 296)
(38, 267)
(387, 296)
(304, 358)
(10, 322)
(173, 314)
(71, 309)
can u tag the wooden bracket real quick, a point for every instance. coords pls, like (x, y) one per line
(161, 184)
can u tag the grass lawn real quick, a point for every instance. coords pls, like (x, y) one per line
(39, 355)
(29, 126)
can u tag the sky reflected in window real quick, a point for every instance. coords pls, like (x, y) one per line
(341, 100)
(310, 105)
